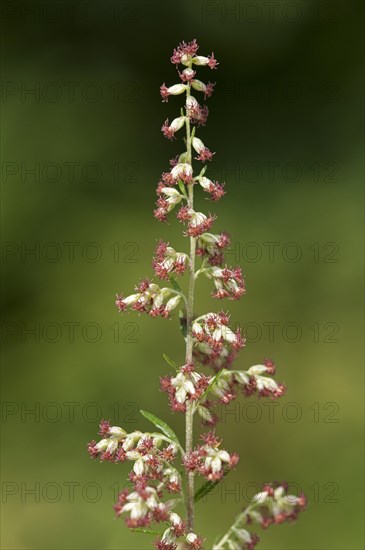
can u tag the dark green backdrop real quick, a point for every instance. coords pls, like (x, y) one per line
(81, 155)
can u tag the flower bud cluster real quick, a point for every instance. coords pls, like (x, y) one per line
(150, 298)
(152, 474)
(117, 445)
(168, 262)
(228, 283)
(204, 153)
(187, 385)
(198, 223)
(198, 114)
(169, 130)
(176, 533)
(211, 247)
(212, 329)
(209, 460)
(185, 53)
(225, 387)
(273, 505)
(168, 198)
(250, 382)
(215, 189)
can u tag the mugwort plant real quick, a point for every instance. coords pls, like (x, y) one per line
(164, 470)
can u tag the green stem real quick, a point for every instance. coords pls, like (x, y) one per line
(189, 339)
(237, 523)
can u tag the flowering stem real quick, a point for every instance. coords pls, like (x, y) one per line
(238, 521)
(211, 342)
(189, 338)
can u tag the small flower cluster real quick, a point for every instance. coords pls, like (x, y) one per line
(198, 223)
(211, 247)
(262, 385)
(212, 329)
(176, 532)
(152, 473)
(225, 387)
(215, 189)
(169, 130)
(198, 114)
(150, 298)
(185, 53)
(273, 505)
(203, 152)
(182, 172)
(168, 198)
(209, 460)
(250, 381)
(187, 385)
(216, 345)
(228, 283)
(168, 262)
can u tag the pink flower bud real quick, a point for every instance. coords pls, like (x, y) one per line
(176, 124)
(172, 303)
(187, 75)
(176, 89)
(198, 145)
(204, 152)
(191, 103)
(182, 171)
(200, 60)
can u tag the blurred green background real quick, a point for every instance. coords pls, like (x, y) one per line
(81, 108)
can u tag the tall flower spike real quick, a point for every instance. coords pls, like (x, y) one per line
(163, 470)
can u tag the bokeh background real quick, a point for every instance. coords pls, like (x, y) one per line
(81, 155)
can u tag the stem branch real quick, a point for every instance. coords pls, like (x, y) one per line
(240, 519)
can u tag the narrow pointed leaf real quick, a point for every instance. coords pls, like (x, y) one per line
(175, 285)
(211, 386)
(207, 488)
(145, 531)
(182, 188)
(170, 362)
(161, 425)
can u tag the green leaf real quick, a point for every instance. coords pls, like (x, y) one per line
(182, 187)
(161, 425)
(175, 285)
(211, 386)
(170, 362)
(207, 488)
(145, 531)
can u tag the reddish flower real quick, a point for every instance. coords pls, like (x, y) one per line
(212, 63)
(205, 155)
(164, 92)
(184, 51)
